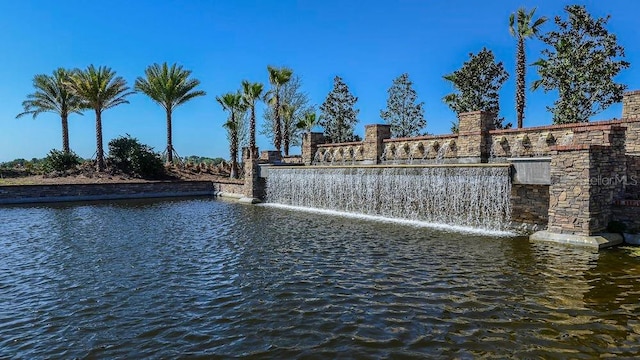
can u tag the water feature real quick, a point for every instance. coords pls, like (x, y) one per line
(388, 154)
(442, 151)
(472, 197)
(212, 279)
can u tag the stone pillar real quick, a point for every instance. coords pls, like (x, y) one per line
(253, 189)
(310, 142)
(586, 179)
(631, 105)
(373, 142)
(474, 142)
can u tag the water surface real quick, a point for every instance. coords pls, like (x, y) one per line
(204, 278)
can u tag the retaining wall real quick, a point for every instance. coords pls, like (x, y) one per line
(23, 194)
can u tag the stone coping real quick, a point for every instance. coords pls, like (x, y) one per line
(353, 143)
(566, 126)
(483, 165)
(578, 147)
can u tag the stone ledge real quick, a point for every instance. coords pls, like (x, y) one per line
(596, 242)
(578, 147)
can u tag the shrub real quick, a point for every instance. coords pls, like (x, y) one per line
(60, 161)
(131, 157)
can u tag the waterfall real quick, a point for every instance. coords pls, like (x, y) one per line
(472, 196)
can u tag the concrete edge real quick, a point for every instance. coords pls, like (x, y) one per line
(597, 242)
(72, 198)
(249, 200)
(229, 195)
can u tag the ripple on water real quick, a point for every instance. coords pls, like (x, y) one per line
(200, 278)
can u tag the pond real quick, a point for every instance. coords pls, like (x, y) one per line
(206, 278)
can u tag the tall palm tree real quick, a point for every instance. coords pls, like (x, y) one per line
(99, 89)
(233, 103)
(288, 113)
(169, 87)
(522, 26)
(277, 78)
(52, 95)
(252, 92)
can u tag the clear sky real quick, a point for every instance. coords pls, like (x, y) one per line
(367, 43)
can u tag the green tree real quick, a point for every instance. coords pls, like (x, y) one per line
(251, 93)
(52, 95)
(522, 26)
(477, 83)
(233, 103)
(339, 116)
(99, 89)
(292, 95)
(277, 78)
(131, 157)
(169, 87)
(405, 116)
(581, 64)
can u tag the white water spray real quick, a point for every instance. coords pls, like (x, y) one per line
(477, 197)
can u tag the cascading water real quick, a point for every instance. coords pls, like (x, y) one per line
(472, 197)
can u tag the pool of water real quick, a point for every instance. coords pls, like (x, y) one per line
(205, 278)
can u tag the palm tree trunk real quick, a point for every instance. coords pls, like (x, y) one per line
(99, 148)
(169, 143)
(285, 139)
(234, 156)
(277, 137)
(520, 81)
(252, 130)
(65, 134)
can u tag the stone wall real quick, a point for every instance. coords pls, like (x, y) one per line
(420, 150)
(228, 188)
(530, 204)
(16, 194)
(586, 180)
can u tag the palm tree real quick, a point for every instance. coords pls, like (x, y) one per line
(252, 92)
(233, 103)
(522, 26)
(52, 95)
(169, 87)
(308, 122)
(99, 89)
(277, 78)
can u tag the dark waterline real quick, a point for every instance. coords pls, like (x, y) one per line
(202, 278)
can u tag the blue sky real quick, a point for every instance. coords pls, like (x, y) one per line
(367, 43)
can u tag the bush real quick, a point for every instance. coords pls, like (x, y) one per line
(131, 157)
(60, 161)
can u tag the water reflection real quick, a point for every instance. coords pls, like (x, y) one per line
(209, 278)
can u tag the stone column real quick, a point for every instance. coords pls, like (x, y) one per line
(474, 142)
(373, 142)
(310, 142)
(586, 180)
(253, 189)
(631, 105)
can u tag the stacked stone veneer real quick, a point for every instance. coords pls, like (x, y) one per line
(586, 180)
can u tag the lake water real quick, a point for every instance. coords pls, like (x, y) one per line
(214, 279)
